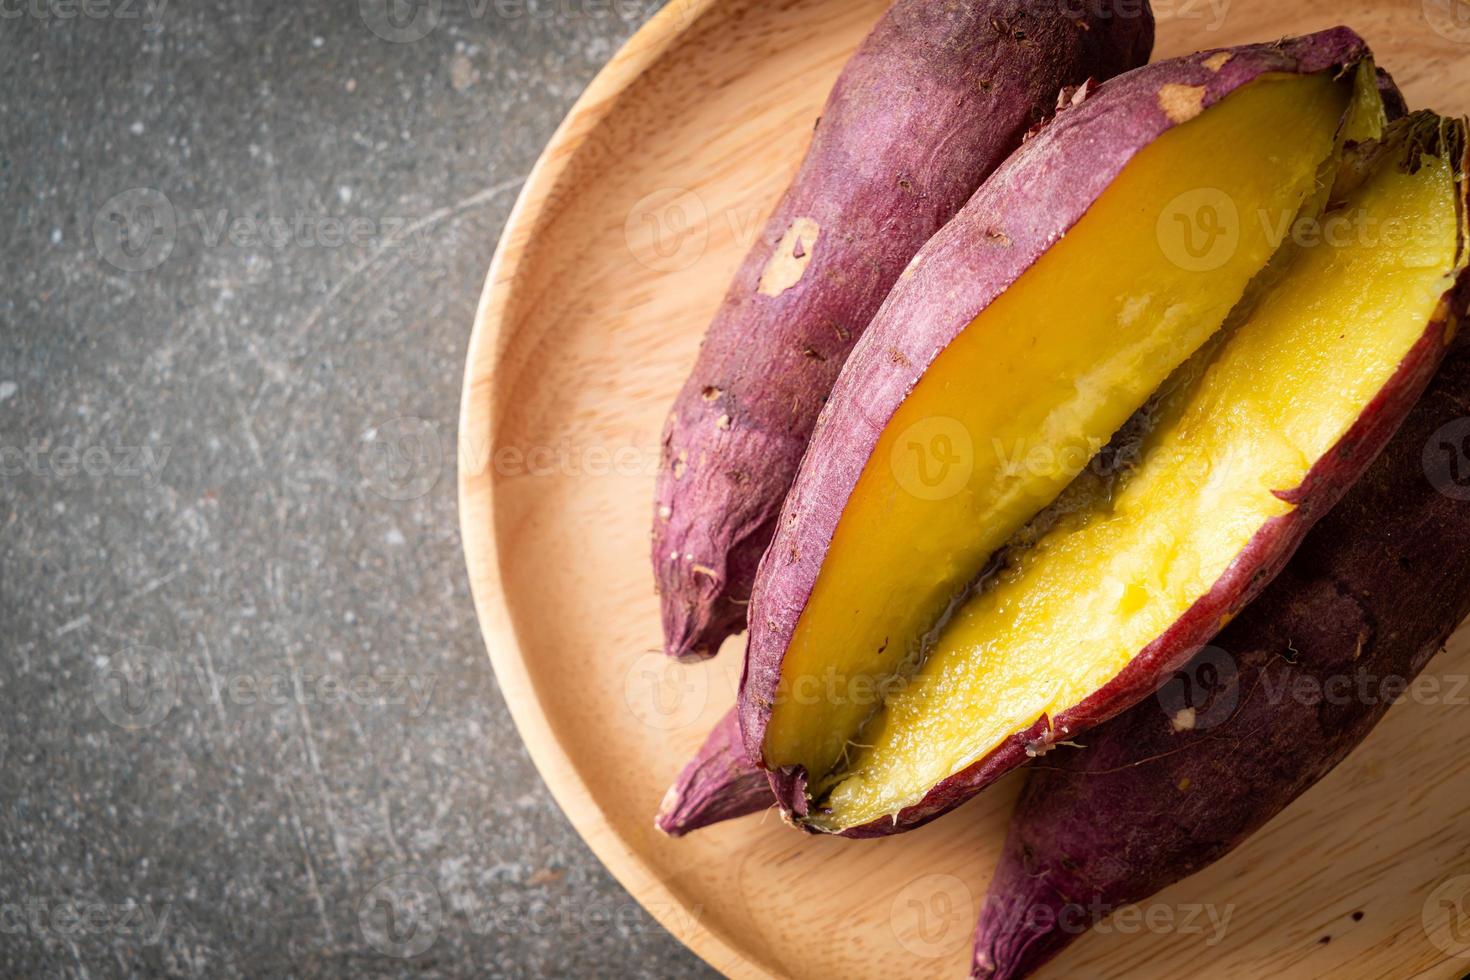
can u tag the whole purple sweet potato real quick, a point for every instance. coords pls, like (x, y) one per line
(931, 103)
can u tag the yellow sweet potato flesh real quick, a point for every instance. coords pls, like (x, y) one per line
(1048, 371)
(1278, 391)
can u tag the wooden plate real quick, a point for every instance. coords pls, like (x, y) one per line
(613, 261)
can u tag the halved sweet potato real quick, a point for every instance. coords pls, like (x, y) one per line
(931, 103)
(1254, 438)
(1296, 400)
(1157, 794)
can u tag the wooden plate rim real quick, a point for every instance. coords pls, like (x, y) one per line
(478, 423)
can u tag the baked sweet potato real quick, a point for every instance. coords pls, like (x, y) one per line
(934, 99)
(971, 621)
(720, 782)
(1161, 792)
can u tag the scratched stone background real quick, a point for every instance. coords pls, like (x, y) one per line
(247, 725)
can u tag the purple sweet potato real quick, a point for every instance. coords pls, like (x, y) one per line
(719, 783)
(1174, 784)
(1019, 216)
(930, 104)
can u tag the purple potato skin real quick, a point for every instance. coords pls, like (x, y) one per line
(1369, 595)
(937, 96)
(1033, 200)
(718, 784)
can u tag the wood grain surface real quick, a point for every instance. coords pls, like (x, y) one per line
(612, 263)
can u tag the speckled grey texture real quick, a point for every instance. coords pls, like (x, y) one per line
(247, 725)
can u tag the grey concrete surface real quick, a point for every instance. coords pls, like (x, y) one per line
(247, 726)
